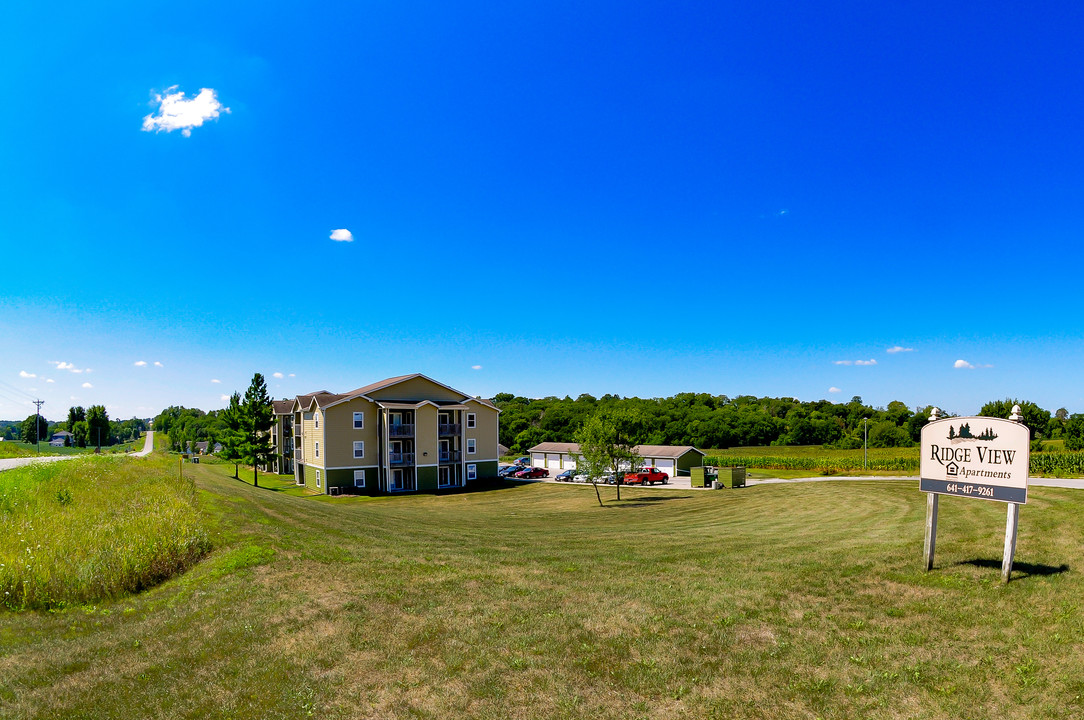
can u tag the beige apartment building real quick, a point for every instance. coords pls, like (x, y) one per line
(404, 434)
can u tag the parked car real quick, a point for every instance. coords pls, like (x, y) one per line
(608, 479)
(507, 470)
(525, 460)
(566, 476)
(647, 476)
(535, 472)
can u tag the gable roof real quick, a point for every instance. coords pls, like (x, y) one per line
(669, 451)
(283, 407)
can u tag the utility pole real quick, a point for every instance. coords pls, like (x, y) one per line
(37, 426)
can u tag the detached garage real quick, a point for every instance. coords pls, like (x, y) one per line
(674, 460)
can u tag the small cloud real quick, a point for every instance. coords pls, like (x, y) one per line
(158, 364)
(277, 375)
(49, 380)
(72, 397)
(342, 235)
(140, 363)
(834, 390)
(25, 374)
(67, 366)
(291, 375)
(176, 112)
(475, 367)
(783, 212)
(965, 365)
(224, 398)
(898, 349)
(216, 380)
(87, 385)
(842, 362)
(871, 361)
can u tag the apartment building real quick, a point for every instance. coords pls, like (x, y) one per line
(404, 434)
(282, 438)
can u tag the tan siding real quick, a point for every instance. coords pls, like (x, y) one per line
(485, 432)
(416, 389)
(341, 434)
(425, 434)
(311, 437)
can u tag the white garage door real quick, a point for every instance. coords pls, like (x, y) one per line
(666, 466)
(553, 462)
(567, 462)
(538, 459)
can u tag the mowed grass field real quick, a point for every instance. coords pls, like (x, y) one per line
(530, 601)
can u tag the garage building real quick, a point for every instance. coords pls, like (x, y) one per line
(673, 460)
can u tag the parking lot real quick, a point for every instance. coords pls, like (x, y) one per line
(678, 483)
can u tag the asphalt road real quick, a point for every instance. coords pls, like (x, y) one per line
(10, 463)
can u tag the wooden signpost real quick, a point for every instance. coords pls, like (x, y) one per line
(978, 457)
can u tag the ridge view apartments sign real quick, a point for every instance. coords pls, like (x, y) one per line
(978, 457)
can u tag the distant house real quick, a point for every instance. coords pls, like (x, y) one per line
(201, 447)
(62, 438)
(673, 460)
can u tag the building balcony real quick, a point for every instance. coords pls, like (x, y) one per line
(449, 428)
(450, 456)
(403, 430)
(402, 458)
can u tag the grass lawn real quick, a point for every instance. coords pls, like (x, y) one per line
(15, 449)
(774, 601)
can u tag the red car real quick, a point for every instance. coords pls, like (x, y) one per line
(535, 472)
(647, 476)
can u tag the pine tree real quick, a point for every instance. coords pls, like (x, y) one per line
(259, 416)
(232, 437)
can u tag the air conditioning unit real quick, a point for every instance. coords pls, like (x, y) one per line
(335, 491)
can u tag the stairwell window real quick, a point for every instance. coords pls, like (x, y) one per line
(359, 449)
(316, 420)
(359, 421)
(471, 446)
(317, 448)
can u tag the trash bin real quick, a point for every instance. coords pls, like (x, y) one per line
(702, 477)
(732, 477)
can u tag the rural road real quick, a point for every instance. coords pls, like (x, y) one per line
(10, 463)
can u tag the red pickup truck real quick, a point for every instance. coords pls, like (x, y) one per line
(647, 476)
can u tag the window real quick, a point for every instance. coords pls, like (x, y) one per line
(359, 421)
(317, 478)
(316, 419)
(317, 448)
(471, 420)
(359, 478)
(359, 449)
(472, 472)
(470, 446)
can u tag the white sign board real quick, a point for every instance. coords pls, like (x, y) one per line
(977, 457)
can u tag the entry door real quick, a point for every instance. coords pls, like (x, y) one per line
(444, 476)
(396, 418)
(396, 480)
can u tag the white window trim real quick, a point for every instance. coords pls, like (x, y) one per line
(356, 444)
(316, 420)
(472, 446)
(472, 472)
(359, 416)
(317, 448)
(472, 420)
(317, 478)
(362, 478)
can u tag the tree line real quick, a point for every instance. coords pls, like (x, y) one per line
(718, 421)
(90, 427)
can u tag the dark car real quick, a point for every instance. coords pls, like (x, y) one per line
(507, 470)
(535, 472)
(566, 476)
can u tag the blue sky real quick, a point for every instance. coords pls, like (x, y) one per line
(733, 198)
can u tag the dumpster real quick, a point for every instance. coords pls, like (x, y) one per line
(702, 477)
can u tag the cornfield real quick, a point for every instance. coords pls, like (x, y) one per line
(1058, 464)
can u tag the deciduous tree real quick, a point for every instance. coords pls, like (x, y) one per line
(607, 439)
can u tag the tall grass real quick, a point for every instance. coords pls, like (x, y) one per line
(91, 529)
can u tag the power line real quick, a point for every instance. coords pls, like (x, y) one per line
(37, 427)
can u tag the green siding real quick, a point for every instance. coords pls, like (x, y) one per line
(687, 462)
(427, 479)
(486, 469)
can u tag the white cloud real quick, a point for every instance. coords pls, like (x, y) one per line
(49, 380)
(176, 112)
(854, 362)
(475, 367)
(25, 374)
(898, 349)
(342, 235)
(291, 375)
(834, 390)
(224, 398)
(216, 380)
(67, 366)
(965, 365)
(277, 375)
(87, 385)
(140, 363)
(158, 364)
